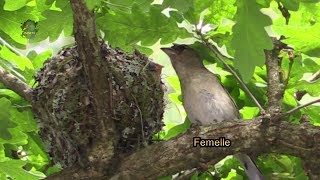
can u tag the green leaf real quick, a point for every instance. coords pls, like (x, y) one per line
(3, 156)
(264, 3)
(10, 23)
(204, 53)
(3, 176)
(289, 99)
(10, 132)
(220, 10)
(174, 83)
(14, 5)
(175, 98)
(126, 5)
(5, 121)
(283, 166)
(178, 129)
(305, 39)
(250, 38)
(125, 30)
(9, 94)
(313, 113)
(311, 88)
(36, 151)
(12, 68)
(24, 119)
(144, 50)
(91, 4)
(14, 169)
(20, 62)
(299, 68)
(55, 23)
(39, 7)
(180, 5)
(292, 5)
(249, 112)
(39, 59)
(18, 137)
(302, 33)
(191, 9)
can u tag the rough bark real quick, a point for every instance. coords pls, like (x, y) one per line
(98, 80)
(275, 87)
(15, 84)
(251, 137)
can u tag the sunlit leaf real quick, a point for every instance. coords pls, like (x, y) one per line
(250, 38)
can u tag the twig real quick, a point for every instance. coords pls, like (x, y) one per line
(285, 12)
(10, 47)
(221, 58)
(298, 107)
(116, 5)
(141, 118)
(15, 84)
(315, 76)
(291, 60)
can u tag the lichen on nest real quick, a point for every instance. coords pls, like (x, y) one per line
(64, 108)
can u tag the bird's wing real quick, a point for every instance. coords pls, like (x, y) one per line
(233, 101)
(213, 108)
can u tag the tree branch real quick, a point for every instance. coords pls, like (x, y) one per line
(298, 107)
(275, 87)
(15, 84)
(13, 49)
(98, 80)
(315, 76)
(252, 137)
(291, 60)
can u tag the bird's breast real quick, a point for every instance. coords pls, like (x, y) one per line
(208, 104)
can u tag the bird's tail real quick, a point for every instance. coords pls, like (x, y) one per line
(250, 167)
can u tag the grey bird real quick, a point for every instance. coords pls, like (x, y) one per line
(204, 98)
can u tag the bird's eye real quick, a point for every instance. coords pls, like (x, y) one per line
(179, 48)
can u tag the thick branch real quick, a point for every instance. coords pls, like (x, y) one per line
(97, 78)
(251, 137)
(15, 84)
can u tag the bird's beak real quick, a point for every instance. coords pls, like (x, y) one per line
(169, 51)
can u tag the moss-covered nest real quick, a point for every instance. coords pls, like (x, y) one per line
(64, 108)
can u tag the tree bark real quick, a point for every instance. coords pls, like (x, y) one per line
(98, 80)
(252, 137)
(15, 84)
(275, 89)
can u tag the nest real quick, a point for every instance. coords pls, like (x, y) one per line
(64, 109)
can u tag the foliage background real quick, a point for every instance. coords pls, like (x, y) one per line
(239, 28)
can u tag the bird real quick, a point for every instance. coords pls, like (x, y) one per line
(205, 100)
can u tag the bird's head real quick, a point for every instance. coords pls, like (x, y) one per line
(183, 55)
